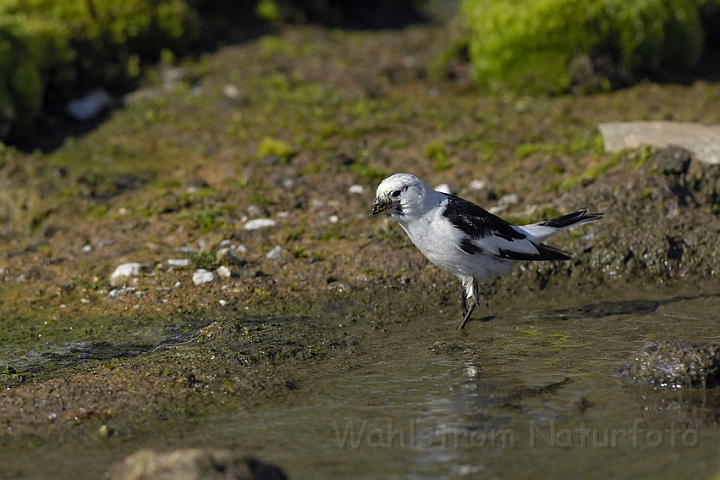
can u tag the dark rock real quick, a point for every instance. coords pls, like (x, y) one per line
(675, 364)
(673, 160)
(192, 464)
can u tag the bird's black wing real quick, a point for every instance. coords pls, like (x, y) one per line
(476, 222)
(488, 233)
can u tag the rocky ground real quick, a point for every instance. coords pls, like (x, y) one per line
(297, 129)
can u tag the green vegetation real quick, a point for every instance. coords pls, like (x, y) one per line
(436, 152)
(577, 144)
(63, 44)
(528, 47)
(270, 146)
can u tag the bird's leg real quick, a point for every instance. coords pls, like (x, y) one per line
(470, 296)
(463, 301)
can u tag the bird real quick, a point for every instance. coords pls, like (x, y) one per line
(464, 239)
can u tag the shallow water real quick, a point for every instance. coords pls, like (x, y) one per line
(531, 391)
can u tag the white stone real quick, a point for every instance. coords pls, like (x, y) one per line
(223, 272)
(478, 185)
(259, 223)
(702, 140)
(497, 209)
(86, 249)
(202, 276)
(509, 199)
(178, 262)
(222, 302)
(356, 189)
(333, 218)
(275, 253)
(231, 91)
(125, 271)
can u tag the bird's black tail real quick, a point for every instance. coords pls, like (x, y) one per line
(571, 219)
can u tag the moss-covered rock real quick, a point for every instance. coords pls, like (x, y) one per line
(674, 364)
(528, 46)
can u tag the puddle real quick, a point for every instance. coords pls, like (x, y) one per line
(531, 391)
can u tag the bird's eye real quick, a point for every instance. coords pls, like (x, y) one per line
(396, 193)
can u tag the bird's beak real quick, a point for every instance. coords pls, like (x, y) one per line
(379, 206)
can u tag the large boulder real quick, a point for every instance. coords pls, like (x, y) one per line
(192, 464)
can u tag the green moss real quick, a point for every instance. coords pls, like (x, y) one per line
(298, 251)
(640, 156)
(529, 46)
(40, 39)
(332, 232)
(209, 219)
(436, 152)
(95, 211)
(268, 10)
(269, 146)
(573, 146)
(366, 171)
(205, 259)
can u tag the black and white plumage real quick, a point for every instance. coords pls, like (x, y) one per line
(463, 238)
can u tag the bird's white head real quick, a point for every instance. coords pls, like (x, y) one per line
(401, 195)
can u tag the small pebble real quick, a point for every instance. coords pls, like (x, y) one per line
(86, 249)
(509, 199)
(356, 189)
(275, 253)
(231, 91)
(118, 292)
(333, 218)
(222, 302)
(104, 431)
(187, 249)
(259, 223)
(178, 262)
(409, 61)
(124, 271)
(255, 211)
(479, 185)
(202, 276)
(223, 272)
